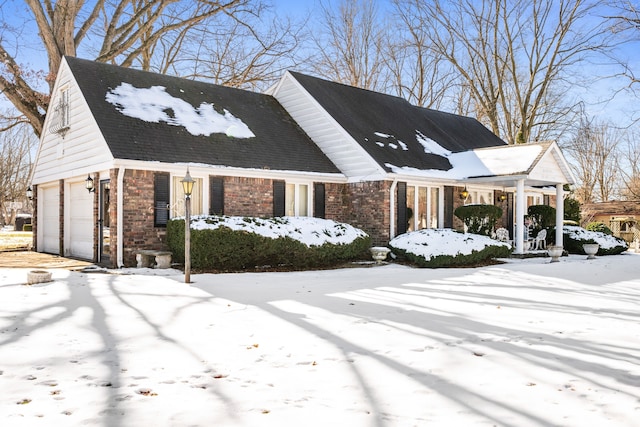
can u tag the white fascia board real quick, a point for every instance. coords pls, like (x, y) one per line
(204, 169)
(98, 167)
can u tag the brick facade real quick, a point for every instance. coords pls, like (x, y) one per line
(248, 196)
(137, 216)
(364, 205)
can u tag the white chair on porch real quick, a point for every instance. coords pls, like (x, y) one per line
(502, 234)
(540, 241)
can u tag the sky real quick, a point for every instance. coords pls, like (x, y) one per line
(621, 109)
(524, 343)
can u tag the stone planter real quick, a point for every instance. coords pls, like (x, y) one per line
(379, 253)
(38, 276)
(591, 249)
(555, 252)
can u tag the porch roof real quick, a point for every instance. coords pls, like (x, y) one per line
(539, 164)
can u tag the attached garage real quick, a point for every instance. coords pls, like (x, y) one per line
(49, 220)
(78, 241)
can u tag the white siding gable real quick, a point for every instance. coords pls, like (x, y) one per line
(551, 168)
(333, 140)
(79, 150)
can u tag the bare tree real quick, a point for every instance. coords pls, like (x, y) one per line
(514, 57)
(249, 56)
(127, 30)
(630, 167)
(350, 43)
(594, 154)
(417, 73)
(16, 148)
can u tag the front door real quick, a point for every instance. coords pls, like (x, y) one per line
(104, 232)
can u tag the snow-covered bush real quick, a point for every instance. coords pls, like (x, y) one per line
(446, 247)
(232, 243)
(574, 237)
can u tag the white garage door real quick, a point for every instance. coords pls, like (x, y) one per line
(79, 233)
(49, 221)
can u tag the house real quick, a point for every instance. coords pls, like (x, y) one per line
(118, 141)
(622, 217)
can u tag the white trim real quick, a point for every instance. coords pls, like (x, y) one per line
(120, 215)
(520, 204)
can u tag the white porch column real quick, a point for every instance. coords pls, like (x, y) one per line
(520, 203)
(559, 213)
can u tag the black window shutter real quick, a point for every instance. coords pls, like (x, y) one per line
(448, 207)
(278, 198)
(402, 208)
(318, 200)
(161, 199)
(216, 195)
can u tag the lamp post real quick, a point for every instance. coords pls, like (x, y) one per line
(187, 186)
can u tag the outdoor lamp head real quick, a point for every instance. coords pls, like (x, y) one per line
(29, 193)
(88, 183)
(464, 194)
(187, 184)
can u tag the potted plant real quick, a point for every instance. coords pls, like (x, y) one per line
(591, 249)
(555, 252)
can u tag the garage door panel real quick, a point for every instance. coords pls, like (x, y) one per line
(49, 220)
(80, 228)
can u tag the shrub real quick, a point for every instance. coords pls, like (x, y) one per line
(226, 249)
(572, 210)
(543, 216)
(574, 237)
(479, 219)
(599, 226)
(447, 248)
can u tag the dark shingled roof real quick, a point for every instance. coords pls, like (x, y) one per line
(279, 144)
(362, 113)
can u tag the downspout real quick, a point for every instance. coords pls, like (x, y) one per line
(120, 214)
(392, 208)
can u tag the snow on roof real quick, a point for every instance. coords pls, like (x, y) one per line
(152, 105)
(431, 146)
(507, 160)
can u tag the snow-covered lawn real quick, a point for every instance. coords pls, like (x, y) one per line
(525, 343)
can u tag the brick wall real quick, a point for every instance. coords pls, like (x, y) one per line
(247, 197)
(137, 216)
(364, 205)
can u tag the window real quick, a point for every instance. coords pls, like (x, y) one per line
(296, 200)
(178, 197)
(534, 199)
(479, 197)
(423, 207)
(60, 121)
(290, 199)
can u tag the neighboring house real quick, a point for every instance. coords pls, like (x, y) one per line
(622, 217)
(309, 147)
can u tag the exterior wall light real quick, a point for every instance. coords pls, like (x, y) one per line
(88, 184)
(464, 194)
